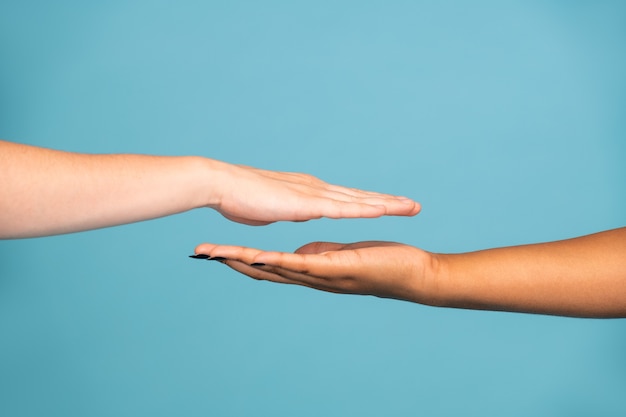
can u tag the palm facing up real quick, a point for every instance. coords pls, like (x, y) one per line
(383, 269)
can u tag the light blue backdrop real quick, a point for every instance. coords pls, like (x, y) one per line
(505, 119)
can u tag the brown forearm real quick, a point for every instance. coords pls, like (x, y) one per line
(584, 277)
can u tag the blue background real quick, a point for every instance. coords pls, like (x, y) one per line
(504, 119)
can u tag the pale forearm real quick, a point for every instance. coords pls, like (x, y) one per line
(45, 192)
(583, 277)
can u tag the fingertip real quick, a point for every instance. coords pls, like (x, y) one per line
(416, 209)
(410, 207)
(204, 248)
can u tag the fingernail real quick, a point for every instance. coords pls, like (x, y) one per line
(257, 264)
(217, 258)
(200, 256)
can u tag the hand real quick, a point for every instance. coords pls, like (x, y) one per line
(383, 269)
(258, 197)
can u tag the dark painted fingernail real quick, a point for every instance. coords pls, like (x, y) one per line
(217, 258)
(257, 264)
(200, 256)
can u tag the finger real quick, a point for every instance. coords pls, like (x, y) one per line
(308, 268)
(394, 206)
(204, 248)
(297, 263)
(356, 192)
(352, 194)
(258, 273)
(314, 182)
(404, 207)
(314, 271)
(281, 276)
(364, 196)
(240, 253)
(336, 209)
(337, 205)
(331, 269)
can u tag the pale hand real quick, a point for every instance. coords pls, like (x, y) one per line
(257, 197)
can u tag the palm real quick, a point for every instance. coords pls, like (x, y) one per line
(383, 269)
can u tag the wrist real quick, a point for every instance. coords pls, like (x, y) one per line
(460, 283)
(208, 177)
(436, 279)
(425, 281)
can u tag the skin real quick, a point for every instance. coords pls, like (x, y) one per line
(580, 277)
(46, 192)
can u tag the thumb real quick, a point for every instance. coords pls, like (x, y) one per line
(319, 247)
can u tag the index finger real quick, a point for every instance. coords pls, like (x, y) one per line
(300, 263)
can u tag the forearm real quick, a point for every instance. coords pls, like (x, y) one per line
(583, 277)
(44, 192)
